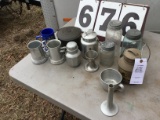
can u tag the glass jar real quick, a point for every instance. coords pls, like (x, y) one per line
(114, 33)
(107, 52)
(132, 39)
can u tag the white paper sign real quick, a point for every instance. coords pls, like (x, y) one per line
(132, 17)
(86, 14)
(108, 11)
(138, 72)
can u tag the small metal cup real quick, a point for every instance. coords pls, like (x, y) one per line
(38, 56)
(56, 52)
(111, 76)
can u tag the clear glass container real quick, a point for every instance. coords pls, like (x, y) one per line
(114, 33)
(107, 52)
(132, 39)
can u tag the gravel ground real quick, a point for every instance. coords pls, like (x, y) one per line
(17, 103)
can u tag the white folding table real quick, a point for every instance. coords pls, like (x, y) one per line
(80, 93)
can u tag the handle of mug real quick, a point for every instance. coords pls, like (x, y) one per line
(120, 87)
(38, 37)
(62, 49)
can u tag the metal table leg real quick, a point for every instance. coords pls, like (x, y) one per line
(63, 115)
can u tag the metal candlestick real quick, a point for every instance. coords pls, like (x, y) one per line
(108, 107)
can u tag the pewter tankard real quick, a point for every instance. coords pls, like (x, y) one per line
(56, 52)
(38, 56)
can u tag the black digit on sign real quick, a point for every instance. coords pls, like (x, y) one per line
(85, 15)
(112, 13)
(125, 22)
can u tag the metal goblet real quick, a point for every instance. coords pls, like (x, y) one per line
(91, 66)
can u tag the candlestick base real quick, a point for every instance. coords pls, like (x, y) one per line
(109, 111)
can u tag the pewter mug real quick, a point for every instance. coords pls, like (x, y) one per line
(38, 56)
(111, 76)
(56, 52)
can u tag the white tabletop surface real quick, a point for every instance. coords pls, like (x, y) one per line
(80, 93)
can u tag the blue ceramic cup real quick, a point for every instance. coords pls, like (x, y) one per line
(45, 35)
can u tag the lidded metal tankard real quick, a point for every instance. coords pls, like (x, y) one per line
(89, 41)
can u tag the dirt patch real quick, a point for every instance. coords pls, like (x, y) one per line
(15, 101)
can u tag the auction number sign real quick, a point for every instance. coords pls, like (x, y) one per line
(93, 14)
(87, 14)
